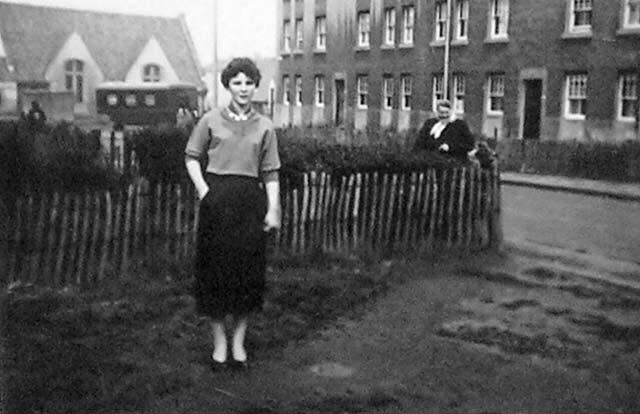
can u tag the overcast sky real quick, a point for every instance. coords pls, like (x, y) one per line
(246, 27)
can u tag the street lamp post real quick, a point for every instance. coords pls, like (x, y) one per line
(214, 66)
(447, 52)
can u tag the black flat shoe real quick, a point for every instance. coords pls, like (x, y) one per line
(217, 366)
(239, 365)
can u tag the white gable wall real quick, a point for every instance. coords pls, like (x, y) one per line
(152, 53)
(3, 53)
(75, 48)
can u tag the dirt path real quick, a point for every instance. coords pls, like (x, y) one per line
(518, 333)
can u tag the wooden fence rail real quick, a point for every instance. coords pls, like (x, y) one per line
(61, 239)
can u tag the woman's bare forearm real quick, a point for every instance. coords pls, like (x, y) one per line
(195, 173)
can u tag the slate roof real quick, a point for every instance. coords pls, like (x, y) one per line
(33, 36)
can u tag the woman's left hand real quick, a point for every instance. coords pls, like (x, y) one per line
(271, 220)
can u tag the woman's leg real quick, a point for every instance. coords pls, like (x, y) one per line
(219, 341)
(239, 353)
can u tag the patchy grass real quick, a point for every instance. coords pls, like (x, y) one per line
(137, 339)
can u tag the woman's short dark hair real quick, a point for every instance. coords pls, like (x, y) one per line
(237, 65)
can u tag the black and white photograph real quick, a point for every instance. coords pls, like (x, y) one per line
(319, 206)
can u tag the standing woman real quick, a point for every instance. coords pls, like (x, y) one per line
(240, 204)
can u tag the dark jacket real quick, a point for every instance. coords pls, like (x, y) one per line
(456, 134)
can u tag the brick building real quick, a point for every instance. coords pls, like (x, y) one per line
(548, 69)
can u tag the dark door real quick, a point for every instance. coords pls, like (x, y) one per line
(532, 108)
(339, 108)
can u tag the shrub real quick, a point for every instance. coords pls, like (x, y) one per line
(594, 160)
(57, 156)
(160, 152)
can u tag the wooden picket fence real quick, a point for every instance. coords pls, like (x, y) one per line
(61, 239)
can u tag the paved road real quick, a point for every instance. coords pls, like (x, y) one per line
(582, 223)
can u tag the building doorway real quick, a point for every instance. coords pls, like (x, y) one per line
(532, 108)
(338, 116)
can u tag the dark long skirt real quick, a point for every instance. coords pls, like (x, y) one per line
(230, 252)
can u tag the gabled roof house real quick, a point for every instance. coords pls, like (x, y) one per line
(69, 52)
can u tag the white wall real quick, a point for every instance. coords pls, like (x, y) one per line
(152, 53)
(75, 48)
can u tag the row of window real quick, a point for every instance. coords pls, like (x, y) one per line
(575, 94)
(74, 76)
(579, 20)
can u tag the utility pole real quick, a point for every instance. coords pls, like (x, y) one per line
(214, 66)
(447, 52)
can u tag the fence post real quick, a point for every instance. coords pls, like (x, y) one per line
(4, 302)
(496, 233)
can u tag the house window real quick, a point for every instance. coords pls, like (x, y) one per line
(498, 19)
(406, 83)
(321, 33)
(628, 97)
(286, 33)
(362, 86)
(298, 90)
(496, 94)
(408, 21)
(459, 87)
(389, 37)
(438, 90)
(150, 99)
(576, 96)
(631, 14)
(131, 99)
(462, 19)
(387, 92)
(299, 34)
(286, 90)
(363, 29)
(112, 99)
(74, 78)
(319, 90)
(441, 21)
(151, 73)
(580, 16)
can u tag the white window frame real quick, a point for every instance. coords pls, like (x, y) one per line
(362, 91)
(321, 33)
(499, 19)
(459, 92)
(437, 90)
(408, 24)
(74, 78)
(575, 90)
(151, 73)
(626, 15)
(364, 29)
(299, 34)
(586, 6)
(406, 85)
(440, 21)
(286, 90)
(462, 20)
(298, 85)
(389, 32)
(629, 93)
(387, 92)
(319, 94)
(286, 36)
(495, 93)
